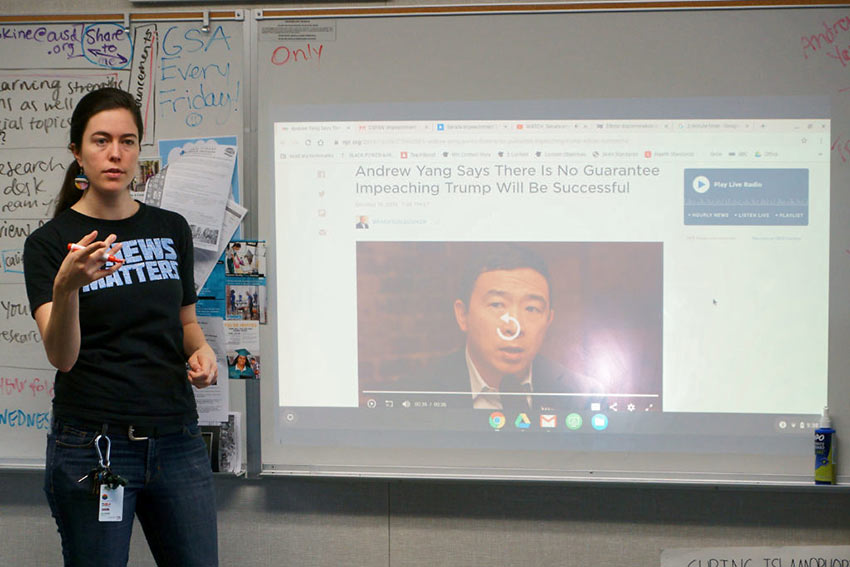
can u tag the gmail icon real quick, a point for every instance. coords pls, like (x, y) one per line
(548, 420)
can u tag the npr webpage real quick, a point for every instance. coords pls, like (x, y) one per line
(740, 209)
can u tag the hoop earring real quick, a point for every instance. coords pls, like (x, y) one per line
(81, 182)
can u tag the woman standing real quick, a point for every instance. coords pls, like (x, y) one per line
(121, 332)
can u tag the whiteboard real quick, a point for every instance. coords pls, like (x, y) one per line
(189, 83)
(369, 66)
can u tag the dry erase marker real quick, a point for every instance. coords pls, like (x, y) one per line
(105, 257)
(825, 450)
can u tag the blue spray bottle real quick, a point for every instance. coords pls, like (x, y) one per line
(824, 450)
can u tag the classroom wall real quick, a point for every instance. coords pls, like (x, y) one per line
(333, 522)
(290, 521)
(15, 7)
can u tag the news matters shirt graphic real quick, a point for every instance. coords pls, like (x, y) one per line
(145, 260)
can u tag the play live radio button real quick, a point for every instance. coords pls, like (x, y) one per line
(746, 196)
(701, 184)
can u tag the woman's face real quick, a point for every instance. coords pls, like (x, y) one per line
(241, 360)
(109, 152)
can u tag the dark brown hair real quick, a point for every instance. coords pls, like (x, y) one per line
(108, 98)
(500, 256)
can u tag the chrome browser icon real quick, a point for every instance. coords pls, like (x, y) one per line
(497, 420)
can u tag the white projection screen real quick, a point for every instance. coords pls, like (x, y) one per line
(555, 246)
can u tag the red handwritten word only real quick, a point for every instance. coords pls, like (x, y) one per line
(284, 55)
(816, 42)
(34, 387)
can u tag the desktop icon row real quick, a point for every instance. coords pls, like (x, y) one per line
(573, 421)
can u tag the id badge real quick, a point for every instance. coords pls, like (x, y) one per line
(111, 504)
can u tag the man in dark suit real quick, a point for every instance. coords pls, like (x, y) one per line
(505, 311)
(448, 380)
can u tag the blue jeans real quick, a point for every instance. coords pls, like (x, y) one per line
(169, 487)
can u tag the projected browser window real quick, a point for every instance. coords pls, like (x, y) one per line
(570, 266)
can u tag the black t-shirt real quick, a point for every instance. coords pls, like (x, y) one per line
(132, 366)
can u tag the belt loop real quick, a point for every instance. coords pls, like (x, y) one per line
(133, 437)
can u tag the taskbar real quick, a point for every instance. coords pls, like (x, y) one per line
(593, 420)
